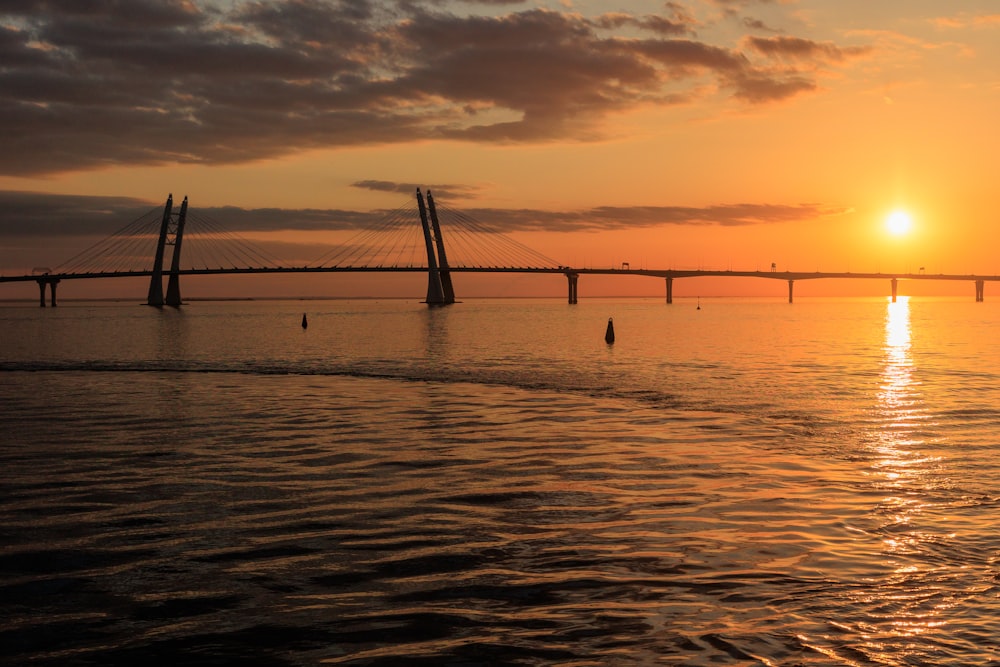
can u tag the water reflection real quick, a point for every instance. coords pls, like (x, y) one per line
(897, 464)
(900, 409)
(903, 601)
(897, 396)
(436, 333)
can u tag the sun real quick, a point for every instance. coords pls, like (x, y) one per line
(899, 223)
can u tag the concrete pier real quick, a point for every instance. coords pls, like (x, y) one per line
(791, 289)
(51, 282)
(670, 290)
(895, 289)
(572, 279)
(980, 291)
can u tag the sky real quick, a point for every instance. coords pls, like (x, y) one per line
(714, 134)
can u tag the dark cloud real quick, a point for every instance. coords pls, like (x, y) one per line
(41, 214)
(30, 214)
(80, 234)
(38, 214)
(757, 24)
(796, 48)
(439, 191)
(609, 218)
(679, 21)
(121, 82)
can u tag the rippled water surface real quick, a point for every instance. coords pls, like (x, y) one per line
(752, 483)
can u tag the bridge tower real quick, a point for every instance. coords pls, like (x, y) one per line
(173, 282)
(171, 234)
(155, 296)
(446, 287)
(435, 290)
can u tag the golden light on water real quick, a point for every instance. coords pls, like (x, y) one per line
(896, 395)
(900, 413)
(904, 471)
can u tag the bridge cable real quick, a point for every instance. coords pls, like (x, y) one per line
(497, 245)
(211, 243)
(389, 237)
(122, 244)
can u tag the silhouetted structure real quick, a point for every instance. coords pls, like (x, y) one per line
(491, 252)
(51, 282)
(171, 234)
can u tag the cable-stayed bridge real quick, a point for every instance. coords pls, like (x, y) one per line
(410, 239)
(172, 241)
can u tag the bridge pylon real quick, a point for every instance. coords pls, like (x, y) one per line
(155, 296)
(435, 290)
(171, 234)
(173, 282)
(447, 290)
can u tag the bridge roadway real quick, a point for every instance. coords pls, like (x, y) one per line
(572, 275)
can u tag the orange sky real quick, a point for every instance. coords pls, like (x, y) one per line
(723, 133)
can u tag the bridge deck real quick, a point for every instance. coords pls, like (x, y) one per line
(565, 270)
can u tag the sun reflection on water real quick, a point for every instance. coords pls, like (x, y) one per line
(902, 603)
(897, 396)
(898, 463)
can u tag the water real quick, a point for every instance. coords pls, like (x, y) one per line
(751, 483)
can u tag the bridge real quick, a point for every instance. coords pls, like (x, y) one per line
(396, 244)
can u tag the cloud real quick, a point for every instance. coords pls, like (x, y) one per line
(35, 214)
(617, 218)
(798, 49)
(91, 233)
(30, 214)
(757, 24)
(440, 191)
(144, 82)
(965, 20)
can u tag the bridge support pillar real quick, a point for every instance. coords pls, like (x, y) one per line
(155, 295)
(572, 279)
(174, 282)
(980, 291)
(791, 287)
(895, 289)
(435, 291)
(447, 289)
(670, 290)
(51, 282)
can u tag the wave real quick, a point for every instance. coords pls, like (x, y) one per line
(528, 380)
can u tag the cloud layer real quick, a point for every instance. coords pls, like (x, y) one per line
(127, 82)
(38, 215)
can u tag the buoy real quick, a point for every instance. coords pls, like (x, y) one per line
(609, 335)
(305, 322)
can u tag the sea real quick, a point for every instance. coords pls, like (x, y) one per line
(731, 482)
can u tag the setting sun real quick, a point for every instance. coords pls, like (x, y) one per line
(899, 223)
